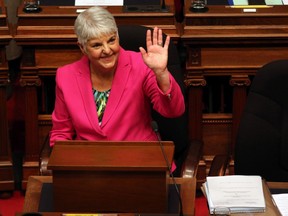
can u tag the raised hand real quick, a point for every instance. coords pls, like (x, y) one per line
(156, 56)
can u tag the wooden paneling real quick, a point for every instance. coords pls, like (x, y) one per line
(228, 42)
(224, 42)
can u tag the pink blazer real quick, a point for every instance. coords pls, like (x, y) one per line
(127, 114)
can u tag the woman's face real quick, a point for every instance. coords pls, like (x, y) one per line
(103, 52)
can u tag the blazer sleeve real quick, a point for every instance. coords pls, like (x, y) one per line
(170, 104)
(62, 124)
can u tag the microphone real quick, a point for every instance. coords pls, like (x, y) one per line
(154, 126)
(156, 130)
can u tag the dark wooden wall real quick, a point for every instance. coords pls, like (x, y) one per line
(222, 50)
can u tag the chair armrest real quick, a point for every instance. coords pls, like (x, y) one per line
(44, 157)
(219, 165)
(190, 165)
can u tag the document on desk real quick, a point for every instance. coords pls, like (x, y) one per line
(235, 194)
(99, 2)
(281, 201)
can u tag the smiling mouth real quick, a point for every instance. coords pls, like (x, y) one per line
(107, 57)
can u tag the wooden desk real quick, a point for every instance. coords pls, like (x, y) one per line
(65, 16)
(225, 47)
(52, 17)
(34, 187)
(6, 168)
(278, 185)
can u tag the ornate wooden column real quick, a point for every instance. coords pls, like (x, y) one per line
(6, 166)
(240, 84)
(30, 81)
(195, 86)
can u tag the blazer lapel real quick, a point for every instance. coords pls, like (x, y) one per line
(119, 83)
(85, 87)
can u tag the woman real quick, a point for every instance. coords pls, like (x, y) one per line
(107, 94)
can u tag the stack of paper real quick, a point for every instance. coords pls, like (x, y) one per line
(234, 194)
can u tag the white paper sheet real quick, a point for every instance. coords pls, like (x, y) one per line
(281, 201)
(99, 2)
(237, 193)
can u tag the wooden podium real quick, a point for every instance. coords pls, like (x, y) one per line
(103, 177)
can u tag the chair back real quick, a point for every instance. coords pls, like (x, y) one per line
(171, 129)
(262, 140)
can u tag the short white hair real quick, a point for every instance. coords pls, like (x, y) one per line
(94, 23)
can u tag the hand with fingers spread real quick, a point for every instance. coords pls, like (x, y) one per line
(156, 56)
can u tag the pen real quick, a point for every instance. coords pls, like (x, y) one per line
(249, 6)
